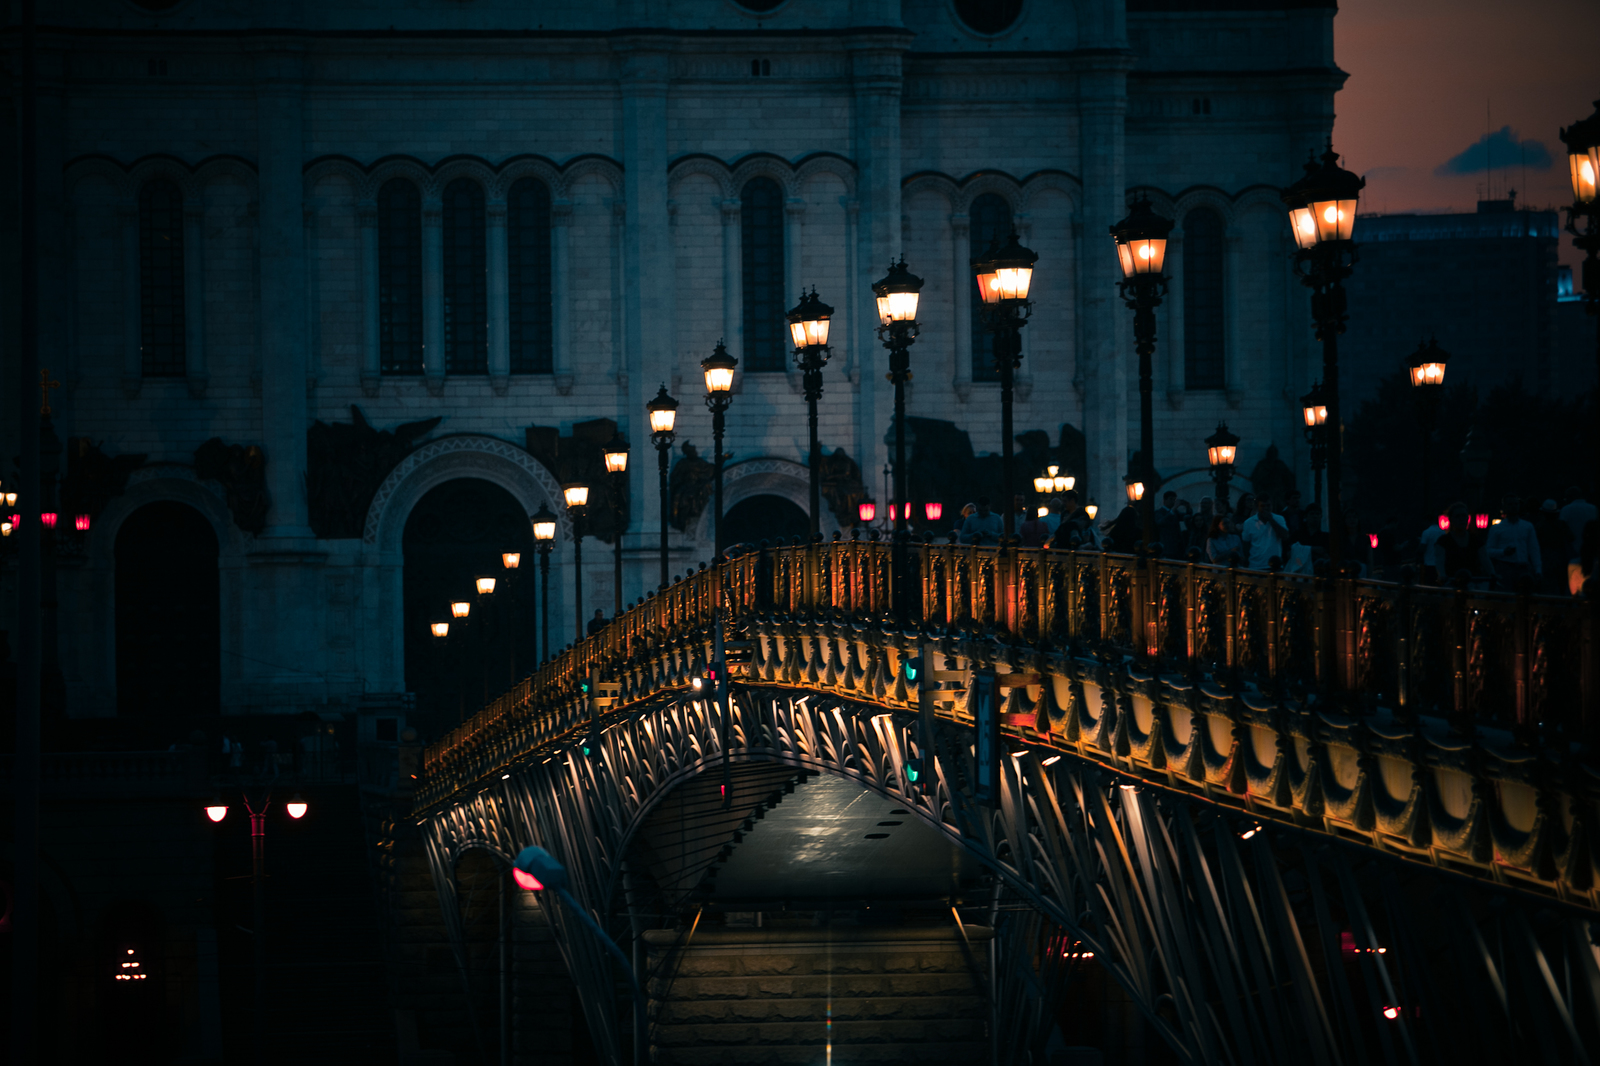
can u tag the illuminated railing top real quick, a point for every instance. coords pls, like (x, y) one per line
(1520, 665)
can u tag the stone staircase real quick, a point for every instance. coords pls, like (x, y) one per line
(881, 994)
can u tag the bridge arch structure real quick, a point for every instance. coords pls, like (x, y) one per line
(1379, 873)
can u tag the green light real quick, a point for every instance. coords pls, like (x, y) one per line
(914, 770)
(913, 667)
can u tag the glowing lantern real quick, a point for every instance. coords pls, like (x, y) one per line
(1005, 273)
(81, 523)
(1041, 512)
(663, 412)
(440, 629)
(933, 510)
(1322, 205)
(460, 609)
(1314, 406)
(808, 322)
(1583, 155)
(544, 525)
(897, 295)
(616, 454)
(511, 560)
(1044, 484)
(49, 519)
(1222, 446)
(1091, 509)
(1141, 240)
(867, 511)
(576, 495)
(217, 811)
(718, 370)
(485, 585)
(296, 807)
(1427, 365)
(1480, 521)
(1444, 523)
(1135, 489)
(1372, 539)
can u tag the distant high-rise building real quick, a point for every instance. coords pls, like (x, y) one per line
(1483, 284)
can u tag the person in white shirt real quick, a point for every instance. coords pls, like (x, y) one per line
(1428, 542)
(1513, 547)
(1265, 536)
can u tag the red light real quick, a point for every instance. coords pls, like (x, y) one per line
(867, 511)
(49, 519)
(933, 511)
(1444, 522)
(81, 523)
(907, 512)
(1481, 521)
(1391, 1013)
(527, 880)
(1372, 539)
(216, 812)
(296, 808)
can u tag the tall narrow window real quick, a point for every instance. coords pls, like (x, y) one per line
(1202, 300)
(761, 233)
(400, 277)
(466, 299)
(161, 336)
(528, 275)
(991, 221)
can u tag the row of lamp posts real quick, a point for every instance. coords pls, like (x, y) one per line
(1322, 208)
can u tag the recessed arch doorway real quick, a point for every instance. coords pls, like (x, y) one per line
(168, 615)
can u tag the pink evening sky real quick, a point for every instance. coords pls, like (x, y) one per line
(1431, 79)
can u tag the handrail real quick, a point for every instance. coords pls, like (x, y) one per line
(1521, 663)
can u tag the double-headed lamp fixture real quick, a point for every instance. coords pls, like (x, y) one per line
(1005, 273)
(1427, 365)
(1322, 205)
(808, 322)
(897, 292)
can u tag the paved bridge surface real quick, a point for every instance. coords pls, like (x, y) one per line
(1292, 818)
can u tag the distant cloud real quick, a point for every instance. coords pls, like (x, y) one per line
(1500, 148)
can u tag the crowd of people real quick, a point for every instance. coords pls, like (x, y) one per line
(1552, 548)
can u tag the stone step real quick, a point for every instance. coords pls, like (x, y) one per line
(839, 987)
(696, 1011)
(812, 1033)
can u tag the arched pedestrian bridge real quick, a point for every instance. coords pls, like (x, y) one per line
(1292, 819)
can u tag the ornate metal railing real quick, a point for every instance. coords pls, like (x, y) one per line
(1524, 664)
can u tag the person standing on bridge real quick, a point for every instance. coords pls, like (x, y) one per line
(1265, 536)
(983, 526)
(1514, 548)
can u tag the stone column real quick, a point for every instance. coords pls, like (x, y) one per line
(875, 66)
(499, 300)
(853, 356)
(371, 338)
(132, 333)
(280, 151)
(961, 302)
(732, 278)
(560, 295)
(433, 363)
(794, 213)
(648, 262)
(1232, 372)
(1107, 341)
(1173, 306)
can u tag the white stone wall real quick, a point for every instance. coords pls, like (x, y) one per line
(880, 138)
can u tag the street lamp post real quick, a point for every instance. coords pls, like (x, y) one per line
(1314, 406)
(577, 498)
(1004, 276)
(1142, 249)
(296, 809)
(617, 466)
(544, 539)
(718, 369)
(1427, 388)
(1322, 215)
(1583, 156)
(1221, 448)
(898, 293)
(808, 325)
(663, 417)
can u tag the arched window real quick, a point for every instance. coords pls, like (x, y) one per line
(991, 221)
(1202, 300)
(161, 321)
(761, 232)
(400, 277)
(528, 270)
(466, 300)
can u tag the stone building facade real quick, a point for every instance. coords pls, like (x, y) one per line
(509, 215)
